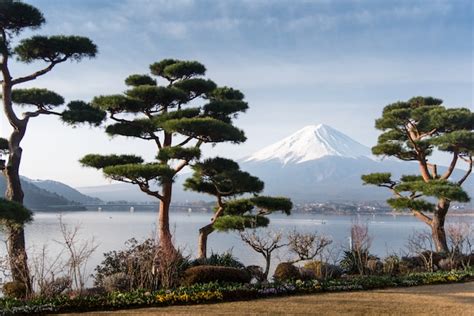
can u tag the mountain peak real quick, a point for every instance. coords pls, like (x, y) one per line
(310, 143)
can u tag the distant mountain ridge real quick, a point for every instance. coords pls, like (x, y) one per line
(50, 195)
(65, 191)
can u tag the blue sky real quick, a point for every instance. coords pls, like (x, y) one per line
(298, 62)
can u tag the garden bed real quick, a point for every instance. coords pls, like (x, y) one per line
(214, 292)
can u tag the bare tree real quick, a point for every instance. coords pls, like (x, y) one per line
(263, 243)
(79, 254)
(45, 270)
(306, 246)
(356, 258)
(421, 244)
(461, 243)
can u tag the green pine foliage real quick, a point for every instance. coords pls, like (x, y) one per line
(412, 131)
(14, 214)
(223, 179)
(55, 49)
(158, 110)
(37, 97)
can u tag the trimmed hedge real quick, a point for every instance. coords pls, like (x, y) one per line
(206, 274)
(286, 271)
(215, 292)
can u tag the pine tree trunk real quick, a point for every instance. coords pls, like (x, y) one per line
(268, 259)
(204, 232)
(16, 235)
(437, 226)
(18, 257)
(164, 233)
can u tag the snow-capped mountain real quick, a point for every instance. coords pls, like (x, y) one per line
(310, 143)
(320, 163)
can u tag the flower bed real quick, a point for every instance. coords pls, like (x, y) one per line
(214, 292)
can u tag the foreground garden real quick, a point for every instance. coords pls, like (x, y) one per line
(221, 292)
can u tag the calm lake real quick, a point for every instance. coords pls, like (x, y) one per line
(111, 229)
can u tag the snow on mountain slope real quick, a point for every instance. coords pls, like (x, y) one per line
(310, 143)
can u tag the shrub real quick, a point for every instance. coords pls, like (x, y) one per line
(116, 282)
(144, 264)
(374, 266)
(391, 265)
(206, 274)
(223, 260)
(136, 261)
(286, 271)
(323, 270)
(14, 289)
(56, 287)
(256, 273)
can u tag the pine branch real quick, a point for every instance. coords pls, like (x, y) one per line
(38, 73)
(452, 165)
(426, 219)
(468, 172)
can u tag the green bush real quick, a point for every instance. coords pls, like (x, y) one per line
(223, 260)
(206, 274)
(286, 271)
(14, 289)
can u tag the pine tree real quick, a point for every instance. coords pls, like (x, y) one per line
(412, 131)
(223, 179)
(166, 112)
(15, 17)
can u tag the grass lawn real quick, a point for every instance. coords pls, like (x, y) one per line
(446, 299)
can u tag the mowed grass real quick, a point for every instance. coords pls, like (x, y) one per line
(446, 299)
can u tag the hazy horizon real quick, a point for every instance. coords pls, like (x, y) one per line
(298, 63)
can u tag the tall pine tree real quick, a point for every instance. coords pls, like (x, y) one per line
(413, 131)
(15, 17)
(177, 114)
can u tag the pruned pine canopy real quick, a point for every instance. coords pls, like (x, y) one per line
(164, 107)
(14, 214)
(55, 49)
(410, 189)
(46, 102)
(413, 130)
(223, 178)
(16, 16)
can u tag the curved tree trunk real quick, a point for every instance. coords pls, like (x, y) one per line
(14, 192)
(437, 226)
(204, 232)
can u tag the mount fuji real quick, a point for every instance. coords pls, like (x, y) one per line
(319, 163)
(311, 143)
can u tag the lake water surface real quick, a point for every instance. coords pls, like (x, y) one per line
(111, 229)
